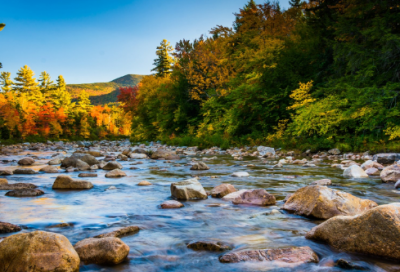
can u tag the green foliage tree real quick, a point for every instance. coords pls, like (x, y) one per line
(6, 81)
(164, 60)
(46, 84)
(26, 84)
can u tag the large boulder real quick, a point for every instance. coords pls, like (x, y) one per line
(7, 227)
(120, 232)
(323, 202)
(390, 174)
(24, 171)
(258, 197)
(291, 255)
(38, 251)
(372, 172)
(109, 250)
(188, 189)
(66, 182)
(17, 186)
(355, 171)
(82, 166)
(26, 161)
(89, 159)
(112, 165)
(375, 232)
(386, 158)
(165, 154)
(6, 172)
(25, 192)
(199, 166)
(222, 190)
(116, 173)
(55, 161)
(371, 164)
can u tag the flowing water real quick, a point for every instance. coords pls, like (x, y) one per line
(161, 243)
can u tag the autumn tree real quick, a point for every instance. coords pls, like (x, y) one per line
(164, 61)
(6, 81)
(25, 83)
(46, 84)
(128, 97)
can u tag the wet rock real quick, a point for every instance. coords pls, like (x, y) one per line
(209, 246)
(16, 186)
(108, 250)
(25, 192)
(61, 225)
(82, 166)
(116, 173)
(144, 183)
(3, 181)
(66, 182)
(265, 151)
(171, 204)
(8, 227)
(232, 196)
(354, 171)
(24, 171)
(94, 167)
(371, 164)
(258, 197)
(6, 172)
(287, 197)
(390, 174)
(38, 251)
(386, 158)
(397, 184)
(322, 182)
(188, 189)
(120, 232)
(26, 161)
(291, 255)
(372, 171)
(55, 161)
(375, 232)
(323, 202)
(164, 154)
(334, 151)
(199, 166)
(240, 174)
(49, 169)
(222, 190)
(95, 153)
(87, 158)
(345, 264)
(112, 165)
(87, 175)
(111, 188)
(69, 162)
(136, 156)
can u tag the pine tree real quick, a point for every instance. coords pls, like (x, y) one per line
(46, 84)
(164, 61)
(26, 84)
(84, 102)
(295, 3)
(59, 95)
(6, 82)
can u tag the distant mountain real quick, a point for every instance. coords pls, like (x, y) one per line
(104, 92)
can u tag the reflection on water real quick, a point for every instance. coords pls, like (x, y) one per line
(161, 243)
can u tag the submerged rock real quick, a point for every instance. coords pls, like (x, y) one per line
(109, 250)
(342, 263)
(222, 190)
(355, 171)
(25, 192)
(209, 246)
(116, 173)
(87, 175)
(26, 161)
(291, 255)
(3, 181)
(188, 189)
(171, 204)
(199, 166)
(258, 197)
(16, 186)
(38, 251)
(323, 202)
(8, 227)
(375, 232)
(66, 182)
(232, 196)
(390, 174)
(120, 232)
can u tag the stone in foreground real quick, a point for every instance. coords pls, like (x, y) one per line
(390, 174)
(25, 193)
(7, 227)
(188, 189)
(120, 232)
(324, 203)
(171, 204)
(376, 232)
(208, 246)
(222, 190)
(108, 250)
(38, 251)
(291, 255)
(116, 173)
(258, 197)
(66, 182)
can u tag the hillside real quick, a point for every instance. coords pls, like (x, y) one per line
(104, 92)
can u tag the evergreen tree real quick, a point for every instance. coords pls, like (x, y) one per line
(164, 61)
(295, 3)
(84, 102)
(46, 84)
(26, 84)
(6, 82)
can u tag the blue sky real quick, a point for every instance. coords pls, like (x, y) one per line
(96, 40)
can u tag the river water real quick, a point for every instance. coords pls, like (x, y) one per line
(161, 243)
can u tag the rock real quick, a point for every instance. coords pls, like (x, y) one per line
(342, 263)
(109, 250)
(258, 197)
(61, 225)
(164, 154)
(287, 197)
(334, 151)
(111, 188)
(112, 165)
(371, 164)
(136, 156)
(209, 246)
(372, 171)
(95, 153)
(16, 186)
(355, 171)
(171, 204)
(375, 232)
(38, 251)
(25, 192)
(386, 158)
(232, 196)
(116, 173)
(82, 166)
(3, 181)
(292, 255)
(222, 190)
(49, 169)
(323, 202)
(199, 166)
(26, 161)
(120, 232)
(6, 172)
(55, 161)
(263, 150)
(24, 171)
(397, 185)
(94, 167)
(144, 183)
(69, 162)
(66, 182)
(390, 174)
(240, 174)
(8, 228)
(89, 159)
(188, 189)
(322, 182)
(87, 175)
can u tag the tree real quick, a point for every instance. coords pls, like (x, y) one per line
(26, 84)
(164, 61)
(60, 97)
(6, 82)
(46, 84)
(128, 97)
(84, 102)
